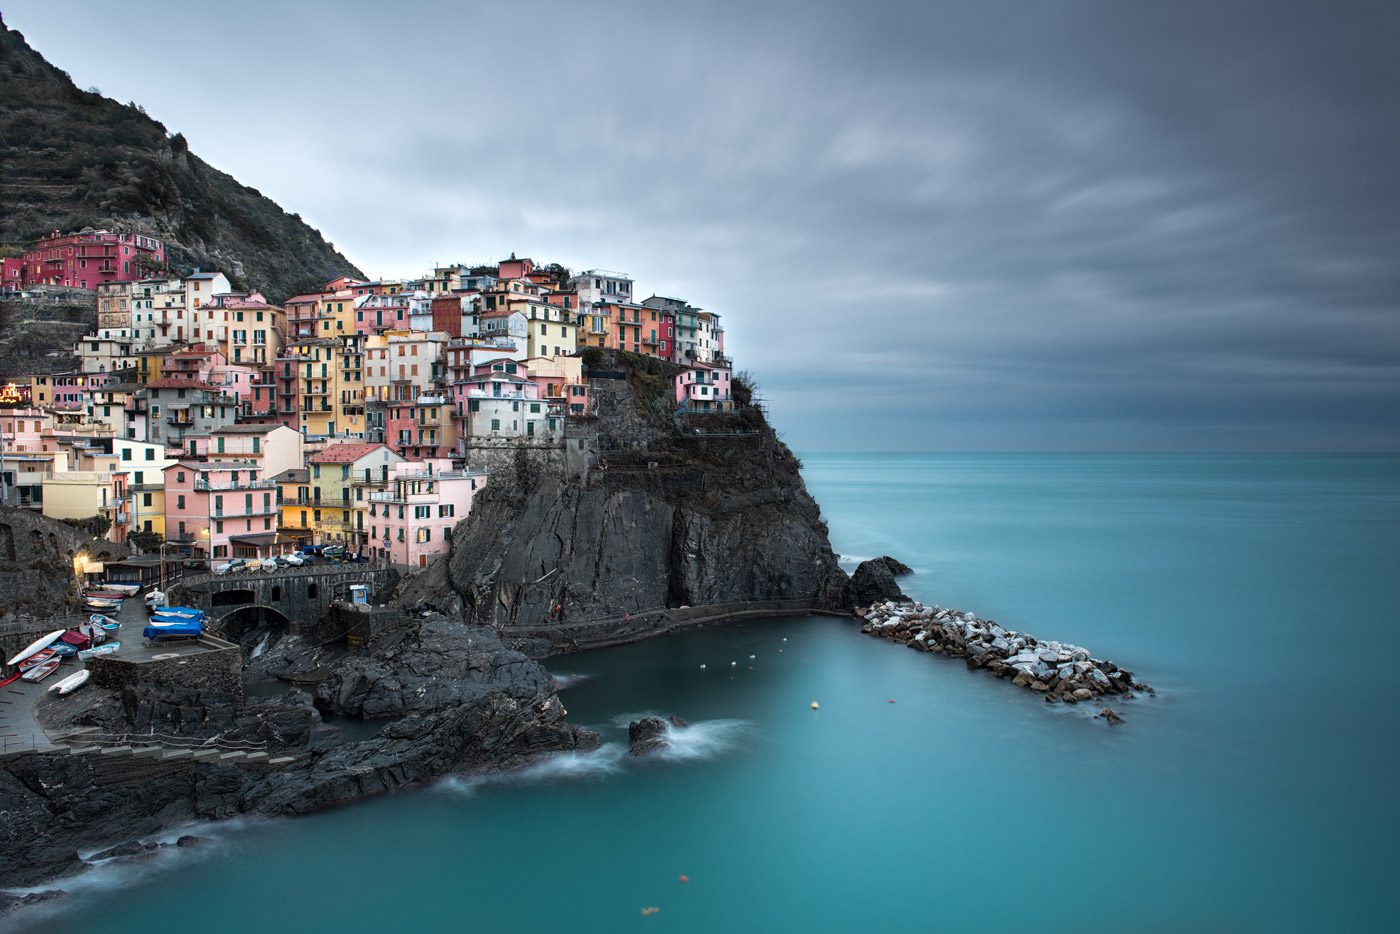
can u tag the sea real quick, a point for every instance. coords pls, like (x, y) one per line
(1256, 791)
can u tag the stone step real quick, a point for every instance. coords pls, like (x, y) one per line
(85, 750)
(150, 752)
(256, 757)
(177, 754)
(116, 750)
(233, 755)
(202, 755)
(281, 760)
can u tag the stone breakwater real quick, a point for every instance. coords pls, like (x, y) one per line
(1061, 671)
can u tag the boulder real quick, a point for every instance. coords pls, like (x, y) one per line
(649, 734)
(873, 582)
(1109, 714)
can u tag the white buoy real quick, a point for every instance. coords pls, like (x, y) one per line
(815, 706)
(784, 638)
(753, 656)
(733, 663)
(702, 666)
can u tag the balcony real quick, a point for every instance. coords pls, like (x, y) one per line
(206, 485)
(418, 499)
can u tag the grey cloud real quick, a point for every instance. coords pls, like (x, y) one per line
(928, 225)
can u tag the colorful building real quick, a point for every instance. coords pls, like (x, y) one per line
(89, 258)
(410, 521)
(221, 511)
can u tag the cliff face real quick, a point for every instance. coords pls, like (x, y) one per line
(679, 520)
(74, 158)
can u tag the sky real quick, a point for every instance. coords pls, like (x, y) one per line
(926, 226)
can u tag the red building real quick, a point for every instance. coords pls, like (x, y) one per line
(89, 258)
(447, 314)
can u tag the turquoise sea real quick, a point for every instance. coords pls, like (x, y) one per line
(1256, 792)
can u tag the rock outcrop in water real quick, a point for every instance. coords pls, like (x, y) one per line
(649, 734)
(1061, 671)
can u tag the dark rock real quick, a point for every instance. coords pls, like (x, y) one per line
(1109, 714)
(647, 735)
(873, 582)
(9, 902)
(897, 568)
(192, 840)
(130, 848)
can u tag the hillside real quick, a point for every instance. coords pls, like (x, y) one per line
(71, 158)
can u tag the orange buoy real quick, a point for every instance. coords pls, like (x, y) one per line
(685, 878)
(650, 911)
(892, 701)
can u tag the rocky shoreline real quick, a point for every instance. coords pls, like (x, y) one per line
(464, 704)
(1062, 672)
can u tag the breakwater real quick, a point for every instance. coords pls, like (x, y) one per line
(1062, 672)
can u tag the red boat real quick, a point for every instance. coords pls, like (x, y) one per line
(37, 658)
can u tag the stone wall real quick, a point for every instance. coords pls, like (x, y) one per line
(215, 671)
(303, 595)
(36, 561)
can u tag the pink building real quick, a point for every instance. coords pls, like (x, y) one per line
(705, 388)
(225, 510)
(89, 258)
(411, 522)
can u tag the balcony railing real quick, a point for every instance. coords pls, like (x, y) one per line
(206, 485)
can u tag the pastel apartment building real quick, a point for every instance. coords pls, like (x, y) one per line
(220, 511)
(410, 521)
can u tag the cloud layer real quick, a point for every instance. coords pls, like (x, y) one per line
(928, 226)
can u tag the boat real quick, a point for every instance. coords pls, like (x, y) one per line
(37, 658)
(71, 683)
(99, 605)
(42, 642)
(41, 671)
(106, 622)
(11, 679)
(154, 597)
(187, 628)
(182, 612)
(64, 650)
(105, 595)
(107, 649)
(125, 589)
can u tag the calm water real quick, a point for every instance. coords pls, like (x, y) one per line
(1255, 793)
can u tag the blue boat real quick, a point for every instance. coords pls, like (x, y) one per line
(64, 649)
(188, 628)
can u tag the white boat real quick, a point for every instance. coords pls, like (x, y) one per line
(96, 650)
(154, 597)
(42, 671)
(71, 683)
(128, 589)
(106, 622)
(36, 645)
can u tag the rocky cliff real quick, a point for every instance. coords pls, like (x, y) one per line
(73, 158)
(658, 516)
(36, 562)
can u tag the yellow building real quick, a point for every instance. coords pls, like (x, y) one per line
(314, 365)
(294, 501)
(334, 472)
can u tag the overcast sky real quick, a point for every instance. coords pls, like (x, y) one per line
(928, 226)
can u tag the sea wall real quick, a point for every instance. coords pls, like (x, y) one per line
(1063, 672)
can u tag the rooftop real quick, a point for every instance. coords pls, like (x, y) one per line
(343, 453)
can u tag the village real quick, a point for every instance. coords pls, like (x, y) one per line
(214, 427)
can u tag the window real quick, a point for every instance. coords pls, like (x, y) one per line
(179, 476)
(126, 454)
(495, 424)
(218, 525)
(317, 515)
(180, 503)
(150, 456)
(316, 471)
